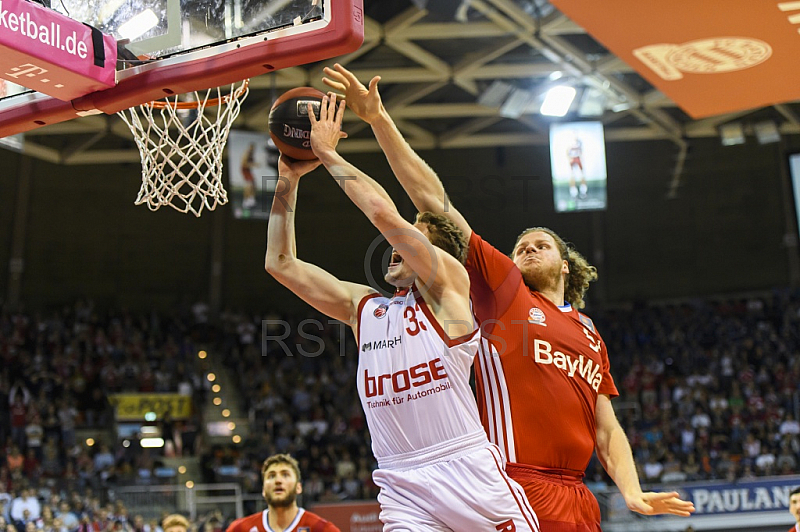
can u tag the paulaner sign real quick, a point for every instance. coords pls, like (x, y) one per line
(708, 57)
(753, 496)
(744, 505)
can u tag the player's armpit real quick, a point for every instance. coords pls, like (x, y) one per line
(319, 288)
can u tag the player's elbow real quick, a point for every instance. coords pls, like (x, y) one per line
(277, 264)
(381, 214)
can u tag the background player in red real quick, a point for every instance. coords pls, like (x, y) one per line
(794, 508)
(282, 485)
(543, 380)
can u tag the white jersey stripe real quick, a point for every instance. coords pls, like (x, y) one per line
(292, 525)
(511, 453)
(480, 380)
(500, 409)
(491, 397)
(487, 394)
(517, 492)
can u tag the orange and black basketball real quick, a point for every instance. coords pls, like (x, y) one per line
(289, 125)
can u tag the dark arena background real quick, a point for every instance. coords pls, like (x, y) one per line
(150, 364)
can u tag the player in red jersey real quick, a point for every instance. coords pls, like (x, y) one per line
(281, 487)
(544, 387)
(794, 508)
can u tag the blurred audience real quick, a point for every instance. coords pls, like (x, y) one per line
(708, 390)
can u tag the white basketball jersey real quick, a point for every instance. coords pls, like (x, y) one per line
(413, 381)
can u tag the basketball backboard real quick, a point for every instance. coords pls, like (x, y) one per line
(178, 46)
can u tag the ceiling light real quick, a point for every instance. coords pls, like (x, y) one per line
(558, 100)
(593, 102)
(151, 443)
(731, 134)
(767, 132)
(516, 104)
(495, 94)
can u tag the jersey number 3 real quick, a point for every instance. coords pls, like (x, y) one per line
(415, 325)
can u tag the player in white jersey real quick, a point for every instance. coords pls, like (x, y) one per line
(437, 470)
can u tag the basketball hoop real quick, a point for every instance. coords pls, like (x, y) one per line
(181, 147)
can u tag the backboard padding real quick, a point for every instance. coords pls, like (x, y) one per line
(338, 31)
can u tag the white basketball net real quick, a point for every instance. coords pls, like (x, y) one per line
(181, 144)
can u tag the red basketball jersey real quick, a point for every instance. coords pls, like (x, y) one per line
(304, 522)
(539, 370)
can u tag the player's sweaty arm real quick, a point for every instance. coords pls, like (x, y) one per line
(415, 175)
(323, 291)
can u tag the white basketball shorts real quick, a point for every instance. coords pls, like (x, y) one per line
(469, 493)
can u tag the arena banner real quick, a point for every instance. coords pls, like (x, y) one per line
(708, 57)
(743, 505)
(767, 495)
(352, 516)
(253, 170)
(134, 406)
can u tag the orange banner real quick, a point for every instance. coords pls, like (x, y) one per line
(352, 516)
(708, 57)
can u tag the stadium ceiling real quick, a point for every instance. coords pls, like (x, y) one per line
(456, 75)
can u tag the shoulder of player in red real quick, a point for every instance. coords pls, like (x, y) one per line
(587, 321)
(247, 523)
(311, 522)
(489, 267)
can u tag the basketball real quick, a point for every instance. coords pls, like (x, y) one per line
(289, 125)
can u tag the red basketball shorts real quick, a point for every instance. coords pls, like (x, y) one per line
(559, 497)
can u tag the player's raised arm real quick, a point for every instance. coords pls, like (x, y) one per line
(435, 269)
(323, 291)
(415, 175)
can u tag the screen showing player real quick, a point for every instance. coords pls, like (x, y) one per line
(252, 169)
(794, 169)
(578, 162)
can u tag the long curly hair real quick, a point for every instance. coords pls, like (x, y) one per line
(444, 234)
(581, 273)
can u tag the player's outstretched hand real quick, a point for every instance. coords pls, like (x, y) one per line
(327, 130)
(365, 103)
(294, 169)
(652, 503)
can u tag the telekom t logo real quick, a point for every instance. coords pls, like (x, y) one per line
(28, 70)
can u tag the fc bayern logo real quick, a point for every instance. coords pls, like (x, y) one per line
(380, 312)
(703, 56)
(535, 315)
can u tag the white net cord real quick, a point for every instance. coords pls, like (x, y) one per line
(181, 149)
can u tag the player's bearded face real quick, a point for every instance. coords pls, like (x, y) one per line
(280, 488)
(538, 258)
